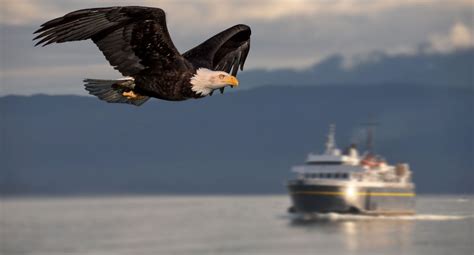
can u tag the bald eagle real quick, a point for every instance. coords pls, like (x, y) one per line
(136, 42)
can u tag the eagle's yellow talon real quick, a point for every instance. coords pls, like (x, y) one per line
(131, 95)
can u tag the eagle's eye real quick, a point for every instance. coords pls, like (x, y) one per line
(221, 76)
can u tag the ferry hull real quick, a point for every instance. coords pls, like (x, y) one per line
(314, 198)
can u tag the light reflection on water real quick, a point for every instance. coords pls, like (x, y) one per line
(363, 234)
(225, 225)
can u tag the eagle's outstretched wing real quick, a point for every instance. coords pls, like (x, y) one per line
(131, 38)
(226, 51)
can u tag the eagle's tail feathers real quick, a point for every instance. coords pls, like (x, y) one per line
(114, 91)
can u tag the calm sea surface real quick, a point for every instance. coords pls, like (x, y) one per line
(225, 225)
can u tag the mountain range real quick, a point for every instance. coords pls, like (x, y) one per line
(453, 69)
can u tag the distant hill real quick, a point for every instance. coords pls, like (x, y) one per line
(239, 143)
(454, 69)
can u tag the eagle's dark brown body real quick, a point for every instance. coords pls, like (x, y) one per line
(136, 42)
(169, 86)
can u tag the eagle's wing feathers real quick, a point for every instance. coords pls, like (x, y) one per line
(131, 38)
(226, 51)
(233, 58)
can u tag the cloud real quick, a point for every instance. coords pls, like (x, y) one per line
(460, 36)
(285, 34)
(24, 12)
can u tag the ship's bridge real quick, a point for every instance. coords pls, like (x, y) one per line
(332, 155)
(331, 164)
(335, 158)
(327, 171)
(318, 159)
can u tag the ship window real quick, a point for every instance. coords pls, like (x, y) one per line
(329, 175)
(345, 175)
(336, 175)
(325, 163)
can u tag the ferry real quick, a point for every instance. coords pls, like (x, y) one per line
(346, 182)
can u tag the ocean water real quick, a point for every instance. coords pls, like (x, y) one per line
(136, 225)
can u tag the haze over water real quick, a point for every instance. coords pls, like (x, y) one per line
(225, 225)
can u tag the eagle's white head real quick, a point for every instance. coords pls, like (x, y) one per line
(205, 81)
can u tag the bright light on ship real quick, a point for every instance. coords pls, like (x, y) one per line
(351, 191)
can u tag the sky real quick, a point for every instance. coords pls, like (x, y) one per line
(285, 34)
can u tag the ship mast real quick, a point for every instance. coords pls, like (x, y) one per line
(371, 124)
(331, 142)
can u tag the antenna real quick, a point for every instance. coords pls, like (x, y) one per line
(370, 125)
(331, 142)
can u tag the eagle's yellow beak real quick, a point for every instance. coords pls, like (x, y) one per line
(231, 80)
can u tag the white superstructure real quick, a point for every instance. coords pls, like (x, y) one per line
(333, 166)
